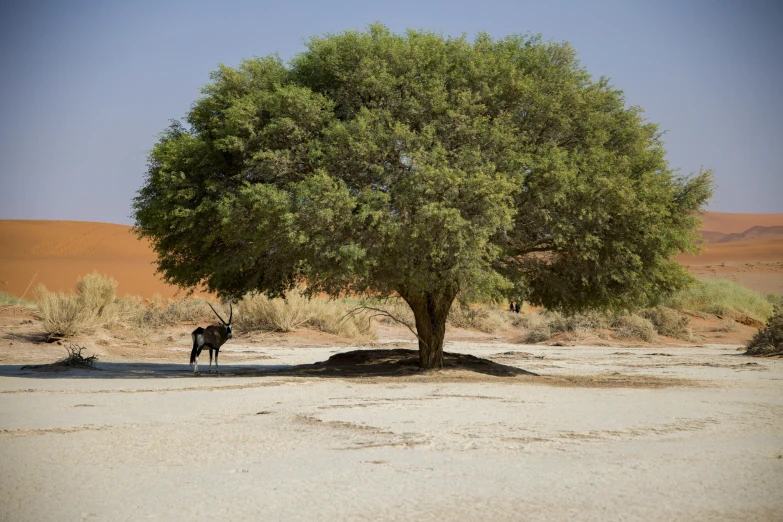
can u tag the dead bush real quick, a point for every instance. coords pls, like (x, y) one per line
(483, 319)
(257, 311)
(538, 333)
(341, 319)
(62, 315)
(634, 327)
(669, 322)
(298, 311)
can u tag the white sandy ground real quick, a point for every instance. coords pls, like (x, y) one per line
(148, 441)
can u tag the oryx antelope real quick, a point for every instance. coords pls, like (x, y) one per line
(213, 337)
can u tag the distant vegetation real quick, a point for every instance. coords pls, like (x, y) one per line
(10, 301)
(95, 306)
(723, 298)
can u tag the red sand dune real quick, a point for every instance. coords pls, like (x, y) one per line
(56, 253)
(727, 223)
(767, 250)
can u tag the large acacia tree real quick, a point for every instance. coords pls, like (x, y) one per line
(423, 167)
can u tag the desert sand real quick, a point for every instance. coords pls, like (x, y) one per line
(756, 264)
(56, 253)
(605, 431)
(730, 223)
(614, 432)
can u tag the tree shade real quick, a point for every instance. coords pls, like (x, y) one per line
(425, 167)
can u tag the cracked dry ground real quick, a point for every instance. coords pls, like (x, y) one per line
(632, 432)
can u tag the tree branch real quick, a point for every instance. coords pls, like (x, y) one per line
(382, 312)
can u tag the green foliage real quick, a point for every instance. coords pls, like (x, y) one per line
(421, 166)
(10, 301)
(722, 297)
(775, 299)
(769, 340)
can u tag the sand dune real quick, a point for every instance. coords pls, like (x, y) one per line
(56, 253)
(753, 233)
(747, 248)
(749, 251)
(728, 223)
(754, 263)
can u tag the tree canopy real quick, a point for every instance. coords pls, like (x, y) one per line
(424, 167)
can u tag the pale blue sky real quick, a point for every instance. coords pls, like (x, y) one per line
(86, 86)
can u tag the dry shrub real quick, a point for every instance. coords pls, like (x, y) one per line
(297, 311)
(519, 320)
(398, 308)
(581, 333)
(669, 322)
(488, 320)
(161, 312)
(540, 332)
(634, 327)
(544, 326)
(257, 311)
(95, 306)
(769, 340)
(61, 315)
(96, 294)
(69, 315)
(337, 318)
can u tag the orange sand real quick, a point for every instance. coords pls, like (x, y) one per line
(56, 253)
(735, 223)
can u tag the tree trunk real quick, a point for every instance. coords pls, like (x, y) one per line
(430, 311)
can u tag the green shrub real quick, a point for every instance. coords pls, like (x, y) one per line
(774, 299)
(721, 297)
(768, 340)
(10, 301)
(669, 322)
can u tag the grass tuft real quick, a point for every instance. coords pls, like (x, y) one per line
(721, 297)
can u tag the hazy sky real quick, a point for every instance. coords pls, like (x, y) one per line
(86, 86)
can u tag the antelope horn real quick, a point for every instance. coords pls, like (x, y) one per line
(217, 314)
(231, 312)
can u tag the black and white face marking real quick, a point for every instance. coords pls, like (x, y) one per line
(228, 331)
